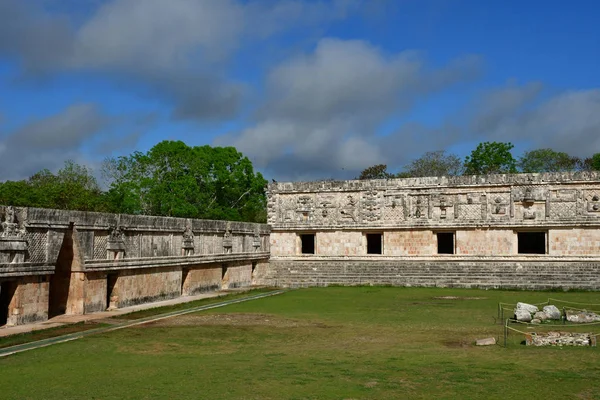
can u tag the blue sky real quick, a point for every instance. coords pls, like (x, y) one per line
(307, 89)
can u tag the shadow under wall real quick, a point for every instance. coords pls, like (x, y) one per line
(60, 281)
(7, 291)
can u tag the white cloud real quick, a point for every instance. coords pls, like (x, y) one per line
(323, 109)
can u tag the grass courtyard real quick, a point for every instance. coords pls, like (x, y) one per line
(320, 343)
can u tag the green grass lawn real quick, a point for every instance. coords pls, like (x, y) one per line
(321, 343)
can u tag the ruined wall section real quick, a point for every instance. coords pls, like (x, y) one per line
(54, 261)
(482, 219)
(552, 199)
(31, 239)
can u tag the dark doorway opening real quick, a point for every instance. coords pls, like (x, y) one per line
(223, 271)
(531, 242)
(111, 282)
(374, 243)
(7, 291)
(184, 275)
(445, 242)
(308, 243)
(61, 280)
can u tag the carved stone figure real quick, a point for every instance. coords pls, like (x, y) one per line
(10, 227)
(256, 241)
(188, 241)
(349, 211)
(305, 208)
(227, 239)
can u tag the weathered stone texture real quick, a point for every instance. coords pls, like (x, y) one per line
(575, 241)
(95, 298)
(520, 230)
(408, 243)
(237, 275)
(201, 279)
(486, 242)
(30, 301)
(151, 284)
(346, 243)
(93, 261)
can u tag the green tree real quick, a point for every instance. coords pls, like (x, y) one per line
(174, 179)
(595, 162)
(491, 158)
(547, 160)
(435, 163)
(74, 187)
(378, 171)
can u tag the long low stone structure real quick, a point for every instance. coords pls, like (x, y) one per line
(533, 231)
(527, 231)
(56, 262)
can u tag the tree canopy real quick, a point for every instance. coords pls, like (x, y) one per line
(74, 188)
(491, 158)
(174, 179)
(378, 171)
(435, 163)
(547, 160)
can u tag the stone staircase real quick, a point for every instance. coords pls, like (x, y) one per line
(460, 274)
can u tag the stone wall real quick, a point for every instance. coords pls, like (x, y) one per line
(79, 262)
(497, 222)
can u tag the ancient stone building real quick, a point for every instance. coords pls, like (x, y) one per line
(68, 262)
(511, 231)
(523, 231)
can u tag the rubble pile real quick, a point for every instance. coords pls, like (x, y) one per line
(582, 316)
(529, 313)
(560, 339)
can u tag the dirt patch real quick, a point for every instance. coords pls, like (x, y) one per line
(235, 319)
(458, 298)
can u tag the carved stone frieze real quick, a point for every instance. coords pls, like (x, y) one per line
(592, 200)
(326, 212)
(371, 206)
(305, 207)
(443, 206)
(465, 200)
(11, 226)
(499, 204)
(394, 208)
(349, 209)
(419, 206)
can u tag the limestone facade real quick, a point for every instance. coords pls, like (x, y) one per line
(498, 222)
(56, 262)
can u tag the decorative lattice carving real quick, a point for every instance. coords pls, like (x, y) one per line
(469, 211)
(395, 213)
(132, 245)
(100, 243)
(561, 210)
(38, 242)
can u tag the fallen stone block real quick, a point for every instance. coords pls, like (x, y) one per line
(528, 307)
(552, 312)
(486, 342)
(522, 315)
(582, 316)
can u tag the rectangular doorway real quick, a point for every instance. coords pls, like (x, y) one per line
(7, 291)
(111, 282)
